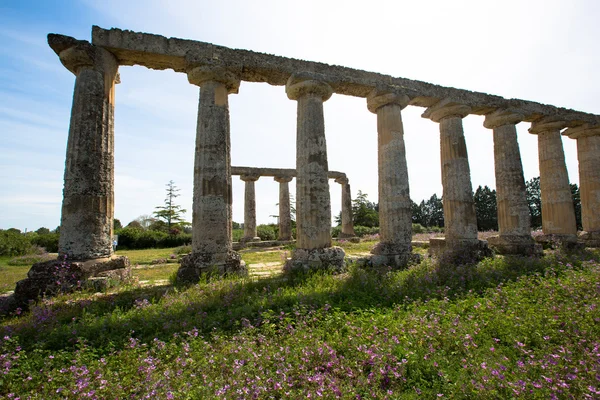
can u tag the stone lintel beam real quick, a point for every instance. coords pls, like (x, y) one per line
(342, 180)
(277, 172)
(159, 52)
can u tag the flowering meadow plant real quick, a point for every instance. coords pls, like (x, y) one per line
(504, 328)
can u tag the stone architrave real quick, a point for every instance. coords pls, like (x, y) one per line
(395, 214)
(558, 213)
(211, 221)
(313, 207)
(347, 225)
(285, 218)
(588, 155)
(514, 221)
(460, 221)
(250, 208)
(86, 227)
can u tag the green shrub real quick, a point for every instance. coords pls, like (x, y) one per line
(48, 241)
(418, 228)
(335, 231)
(237, 235)
(266, 232)
(13, 243)
(365, 230)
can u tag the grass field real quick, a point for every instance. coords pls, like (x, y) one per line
(504, 328)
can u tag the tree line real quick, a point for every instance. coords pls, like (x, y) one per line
(430, 213)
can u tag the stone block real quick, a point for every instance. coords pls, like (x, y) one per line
(329, 259)
(197, 264)
(515, 245)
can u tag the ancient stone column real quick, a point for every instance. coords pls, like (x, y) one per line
(250, 208)
(588, 154)
(460, 221)
(395, 214)
(347, 225)
(211, 223)
(514, 221)
(86, 227)
(558, 213)
(313, 208)
(285, 218)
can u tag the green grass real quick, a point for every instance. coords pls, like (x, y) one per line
(155, 272)
(146, 256)
(507, 327)
(254, 256)
(10, 274)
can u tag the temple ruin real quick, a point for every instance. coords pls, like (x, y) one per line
(88, 204)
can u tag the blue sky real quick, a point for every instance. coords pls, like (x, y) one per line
(545, 51)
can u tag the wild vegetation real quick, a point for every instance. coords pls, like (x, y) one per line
(504, 328)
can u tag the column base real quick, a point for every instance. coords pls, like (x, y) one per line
(590, 239)
(327, 259)
(392, 255)
(515, 245)
(343, 235)
(285, 239)
(197, 264)
(459, 252)
(250, 239)
(555, 240)
(49, 278)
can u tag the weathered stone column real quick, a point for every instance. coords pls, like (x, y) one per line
(588, 154)
(395, 214)
(347, 224)
(460, 221)
(249, 208)
(86, 227)
(558, 213)
(211, 224)
(285, 218)
(313, 208)
(514, 221)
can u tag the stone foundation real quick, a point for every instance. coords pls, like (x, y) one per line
(328, 259)
(564, 241)
(590, 239)
(516, 245)
(194, 265)
(391, 255)
(461, 252)
(60, 276)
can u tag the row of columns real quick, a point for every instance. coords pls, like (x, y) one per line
(285, 219)
(86, 224)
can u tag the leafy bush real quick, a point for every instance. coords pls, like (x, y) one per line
(266, 232)
(48, 241)
(418, 228)
(133, 238)
(186, 249)
(237, 235)
(335, 231)
(365, 230)
(13, 243)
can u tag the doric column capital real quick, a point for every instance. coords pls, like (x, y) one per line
(343, 180)
(547, 124)
(581, 131)
(200, 74)
(446, 108)
(307, 83)
(78, 54)
(377, 99)
(502, 117)
(283, 179)
(249, 178)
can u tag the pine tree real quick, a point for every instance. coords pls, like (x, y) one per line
(170, 213)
